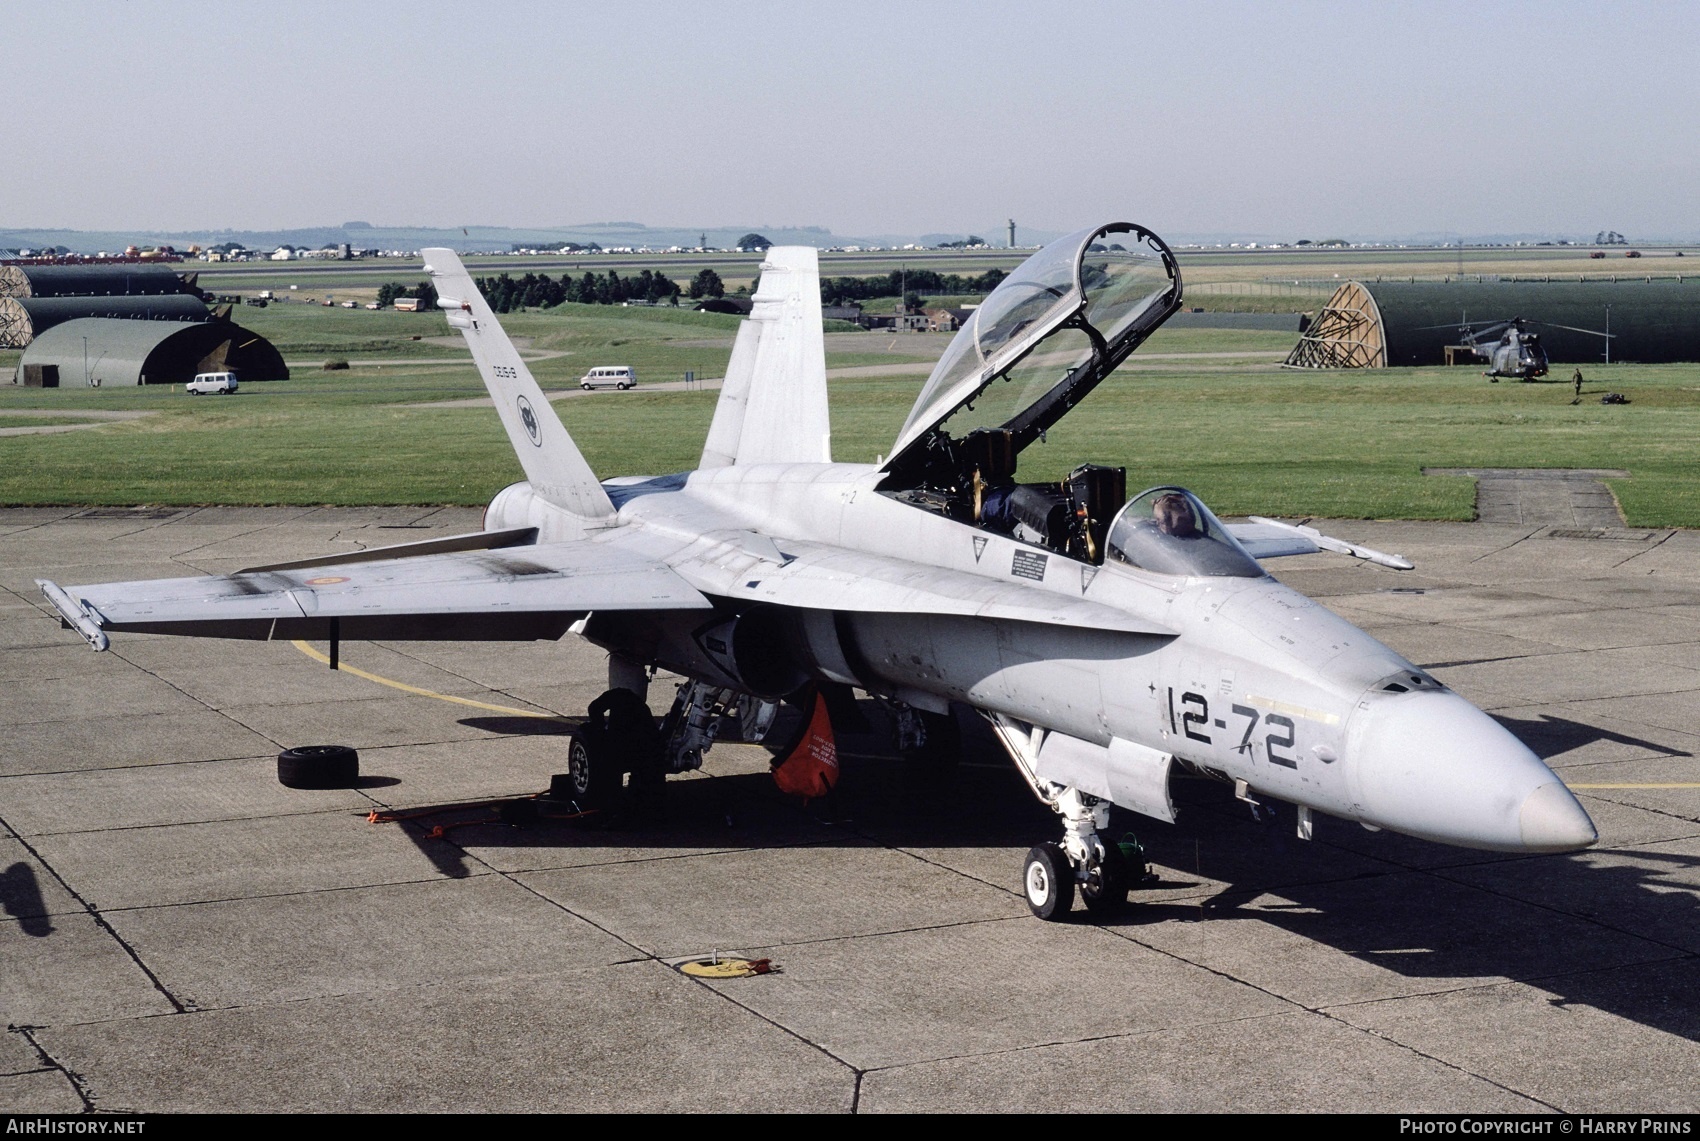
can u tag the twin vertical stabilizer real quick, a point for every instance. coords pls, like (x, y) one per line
(772, 407)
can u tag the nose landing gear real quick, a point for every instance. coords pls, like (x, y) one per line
(1048, 881)
(1102, 871)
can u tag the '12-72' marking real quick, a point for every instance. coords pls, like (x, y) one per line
(1195, 717)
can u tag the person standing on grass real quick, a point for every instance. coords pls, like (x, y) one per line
(1577, 381)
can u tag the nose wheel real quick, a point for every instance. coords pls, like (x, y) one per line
(1048, 881)
(1104, 888)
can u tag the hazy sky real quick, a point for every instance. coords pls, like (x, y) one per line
(1309, 119)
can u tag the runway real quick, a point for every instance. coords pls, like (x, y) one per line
(182, 933)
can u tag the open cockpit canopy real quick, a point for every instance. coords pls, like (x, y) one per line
(1043, 339)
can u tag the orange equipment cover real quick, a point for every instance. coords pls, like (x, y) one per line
(810, 769)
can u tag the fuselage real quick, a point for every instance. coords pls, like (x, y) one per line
(1254, 682)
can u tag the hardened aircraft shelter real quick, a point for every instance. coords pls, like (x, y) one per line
(109, 351)
(1381, 324)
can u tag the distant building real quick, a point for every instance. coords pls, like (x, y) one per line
(23, 319)
(942, 320)
(111, 351)
(283, 253)
(116, 280)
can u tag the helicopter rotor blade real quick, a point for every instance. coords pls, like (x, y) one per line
(1472, 330)
(1573, 329)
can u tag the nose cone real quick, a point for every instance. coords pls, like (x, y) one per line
(1552, 820)
(1433, 765)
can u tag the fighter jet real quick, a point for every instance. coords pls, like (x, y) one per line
(1108, 640)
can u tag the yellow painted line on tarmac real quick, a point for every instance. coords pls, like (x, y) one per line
(416, 690)
(1679, 784)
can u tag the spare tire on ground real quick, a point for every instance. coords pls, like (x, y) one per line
(318, 766)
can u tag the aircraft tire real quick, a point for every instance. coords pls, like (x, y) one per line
(1104, 891)
(593, 768)
(1047, 880)
(318, 766)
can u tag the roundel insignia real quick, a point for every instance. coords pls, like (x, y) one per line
(528, 417)
(327, 580)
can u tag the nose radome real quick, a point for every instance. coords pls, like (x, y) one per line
(1552, 820)
(1434, 766)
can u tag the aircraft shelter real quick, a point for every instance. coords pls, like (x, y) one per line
(101, 280)
(112, 351)
(1380, 324)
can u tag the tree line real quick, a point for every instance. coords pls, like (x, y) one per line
(539, 291)
(838, 290)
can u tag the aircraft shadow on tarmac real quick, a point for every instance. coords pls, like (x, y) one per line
(1449, 917)
(1550, 736)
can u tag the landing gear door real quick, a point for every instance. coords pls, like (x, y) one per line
(1131, 775)
(1139, 779)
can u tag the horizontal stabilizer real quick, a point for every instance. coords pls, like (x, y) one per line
(474, 541)
(486, 595)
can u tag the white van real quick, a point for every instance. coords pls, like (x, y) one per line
(620, 376)
(212, 382)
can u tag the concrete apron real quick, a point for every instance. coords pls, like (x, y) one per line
(1553, 497)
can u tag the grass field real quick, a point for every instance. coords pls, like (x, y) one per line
(1203, 407)
(37, 421)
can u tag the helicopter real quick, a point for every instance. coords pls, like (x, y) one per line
(1510, 348)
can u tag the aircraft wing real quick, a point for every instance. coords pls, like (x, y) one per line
(508, 593)
(821, 577)
(1271, 539)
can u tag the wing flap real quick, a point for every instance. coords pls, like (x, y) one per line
(495, 595)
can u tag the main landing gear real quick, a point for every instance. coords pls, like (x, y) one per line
(1102, 871)
(619, 749)
(617, 741)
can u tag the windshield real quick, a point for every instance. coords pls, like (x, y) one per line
(1059, 324)
(1168, 531)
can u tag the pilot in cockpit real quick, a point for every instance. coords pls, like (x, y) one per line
(1174, 517)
